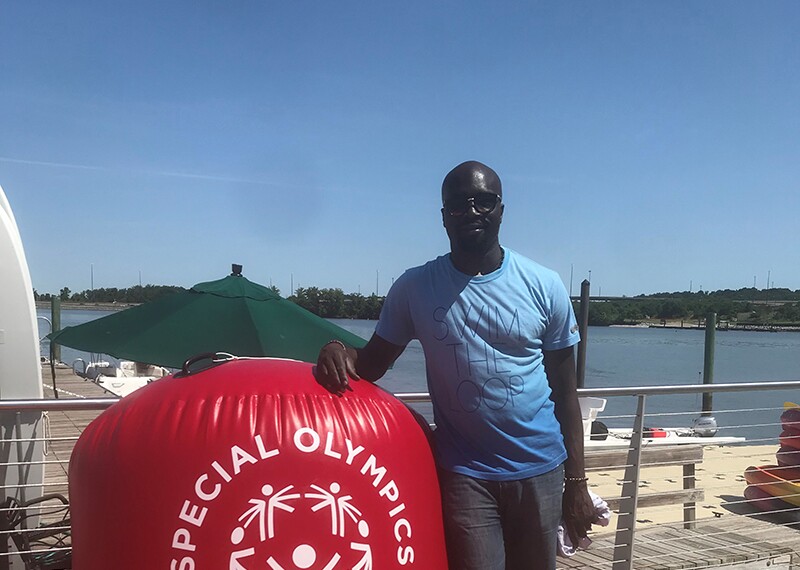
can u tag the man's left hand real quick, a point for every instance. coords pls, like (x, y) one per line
(578, 510)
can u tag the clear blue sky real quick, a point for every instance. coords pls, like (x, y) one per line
(655, 144)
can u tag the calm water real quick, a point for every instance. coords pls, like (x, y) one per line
(631, 357)
(654, 357)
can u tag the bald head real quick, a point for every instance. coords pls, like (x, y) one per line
(471, 174)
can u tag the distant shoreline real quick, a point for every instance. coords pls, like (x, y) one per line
(670, 324)
(748, 328)
(69, 305)
(724, 326)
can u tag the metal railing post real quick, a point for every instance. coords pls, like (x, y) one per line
(626, 521)
(20, 456)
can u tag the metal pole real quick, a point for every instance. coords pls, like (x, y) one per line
(53, 370)
(583, 327)
(55, 349)
(708, 360)
(21, 477)
(55, 326)
(626, 519)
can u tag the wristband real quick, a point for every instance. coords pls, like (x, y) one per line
(336, 341)
(576, 479)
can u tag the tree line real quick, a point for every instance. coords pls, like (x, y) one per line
(743, 306)
(130, 295)
(335, 303)
(327, 303)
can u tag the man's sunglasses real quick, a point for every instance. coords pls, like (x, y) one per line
(483, 203)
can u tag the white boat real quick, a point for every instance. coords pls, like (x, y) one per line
(590, 407)
(22, 446)
(119, 380)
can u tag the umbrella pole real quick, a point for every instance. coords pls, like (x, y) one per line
(53, 369)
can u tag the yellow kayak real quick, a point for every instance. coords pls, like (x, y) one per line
(781, 482)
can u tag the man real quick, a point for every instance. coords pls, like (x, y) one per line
(498, 332)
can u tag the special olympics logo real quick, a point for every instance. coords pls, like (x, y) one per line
(270, 530)
(264, 515)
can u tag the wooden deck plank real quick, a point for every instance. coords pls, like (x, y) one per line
(738, 552)
(736, 538)
(754, 541)
(713, 553)
(661, 555)
(591, 558)
(66, 425)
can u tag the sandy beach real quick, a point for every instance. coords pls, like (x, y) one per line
(720, 477)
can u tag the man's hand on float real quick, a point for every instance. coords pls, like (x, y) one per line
(335, 367)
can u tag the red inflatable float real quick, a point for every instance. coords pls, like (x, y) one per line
(252, 465)
(788, 457)
(790, 419)
(790, 438)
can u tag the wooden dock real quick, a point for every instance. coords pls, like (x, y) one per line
(64, 428)
(733, 541)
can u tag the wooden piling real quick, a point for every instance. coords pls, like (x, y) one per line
(708, 360)
(583, 328)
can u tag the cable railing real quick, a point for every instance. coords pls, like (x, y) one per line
(678, 491)
(679, 497)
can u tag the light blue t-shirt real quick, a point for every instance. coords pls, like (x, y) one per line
(483, 338)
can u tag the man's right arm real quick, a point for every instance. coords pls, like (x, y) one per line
(336, 364)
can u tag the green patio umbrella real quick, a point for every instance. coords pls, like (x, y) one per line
(231, 315)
